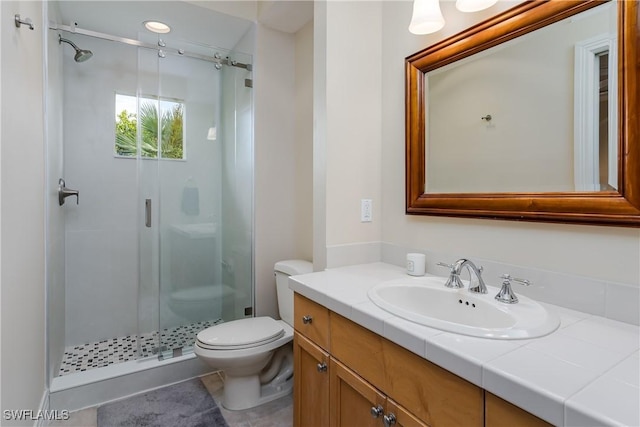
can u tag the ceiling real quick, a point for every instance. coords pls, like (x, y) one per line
(285, 15)
(195, 21)
(188, 22)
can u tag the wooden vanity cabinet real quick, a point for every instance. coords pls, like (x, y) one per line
(343, 372)
(500, 413)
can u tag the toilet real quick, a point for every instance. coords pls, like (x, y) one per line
(256, 354)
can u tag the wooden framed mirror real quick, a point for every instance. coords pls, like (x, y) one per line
(617, 204)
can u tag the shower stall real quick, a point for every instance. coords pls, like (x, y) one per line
(150, 171)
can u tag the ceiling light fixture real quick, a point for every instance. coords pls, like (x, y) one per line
(474, 5)
(427, 17)
(157, 27)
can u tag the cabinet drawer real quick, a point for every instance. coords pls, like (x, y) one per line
(311, 320)
(431, 393)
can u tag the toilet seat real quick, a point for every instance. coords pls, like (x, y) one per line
(233, 354)
(241, 334)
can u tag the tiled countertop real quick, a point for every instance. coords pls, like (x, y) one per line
(586, 373)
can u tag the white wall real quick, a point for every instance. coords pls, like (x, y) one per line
(22, 240)
(1, 127)
(247, 9)
(319, 136)
(353, 119)
(274, 190)
(606, 253)
(303, 149)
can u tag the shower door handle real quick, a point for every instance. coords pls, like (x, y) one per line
(147, 213)
(64, 192)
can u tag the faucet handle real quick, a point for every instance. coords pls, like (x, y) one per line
(454, 278)
(506, 294)
(444, 264)
(524, 282)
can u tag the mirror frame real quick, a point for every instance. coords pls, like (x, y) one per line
(615, 208)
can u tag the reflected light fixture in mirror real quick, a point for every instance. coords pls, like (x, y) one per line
(427, 17)
(474, 5)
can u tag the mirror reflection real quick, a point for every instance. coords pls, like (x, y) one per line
(535, 114)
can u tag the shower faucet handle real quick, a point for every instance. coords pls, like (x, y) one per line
(64, 192)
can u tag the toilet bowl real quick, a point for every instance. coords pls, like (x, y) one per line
(256, 354)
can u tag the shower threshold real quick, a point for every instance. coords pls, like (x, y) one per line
(81, 358)
(113, 382)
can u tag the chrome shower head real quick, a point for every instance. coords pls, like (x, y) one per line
(81, 54)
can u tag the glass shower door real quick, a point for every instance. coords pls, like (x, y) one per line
(195, 281)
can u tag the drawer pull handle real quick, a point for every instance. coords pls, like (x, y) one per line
(376, 411)
(307, 319)
(322, 367)
(389, 420)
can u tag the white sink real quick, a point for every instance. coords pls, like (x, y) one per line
(425, 300)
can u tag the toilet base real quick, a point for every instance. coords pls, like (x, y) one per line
(246, 392)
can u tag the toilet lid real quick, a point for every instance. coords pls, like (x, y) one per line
(238, 334)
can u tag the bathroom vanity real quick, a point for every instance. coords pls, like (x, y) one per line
(356, 364)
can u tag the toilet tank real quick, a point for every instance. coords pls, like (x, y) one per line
(284, 269)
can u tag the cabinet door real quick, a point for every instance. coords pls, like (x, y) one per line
(311, 384)
(500, 413)
(403, 418)
(353, 400)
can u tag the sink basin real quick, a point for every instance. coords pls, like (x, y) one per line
(425, 300)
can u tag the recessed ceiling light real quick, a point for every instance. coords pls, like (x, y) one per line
(157, 27)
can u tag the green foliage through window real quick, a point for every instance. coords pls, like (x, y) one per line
(153, 117)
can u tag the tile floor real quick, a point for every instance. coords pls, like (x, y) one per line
(121, 349)
(278, 413)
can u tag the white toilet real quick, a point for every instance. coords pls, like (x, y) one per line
(256, 354)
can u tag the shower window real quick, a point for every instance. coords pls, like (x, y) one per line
(143, 119)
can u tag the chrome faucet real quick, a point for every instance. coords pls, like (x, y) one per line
(454, 277)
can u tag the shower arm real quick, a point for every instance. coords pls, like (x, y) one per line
(63, 40)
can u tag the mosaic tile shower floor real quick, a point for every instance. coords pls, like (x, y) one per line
(83, 357)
